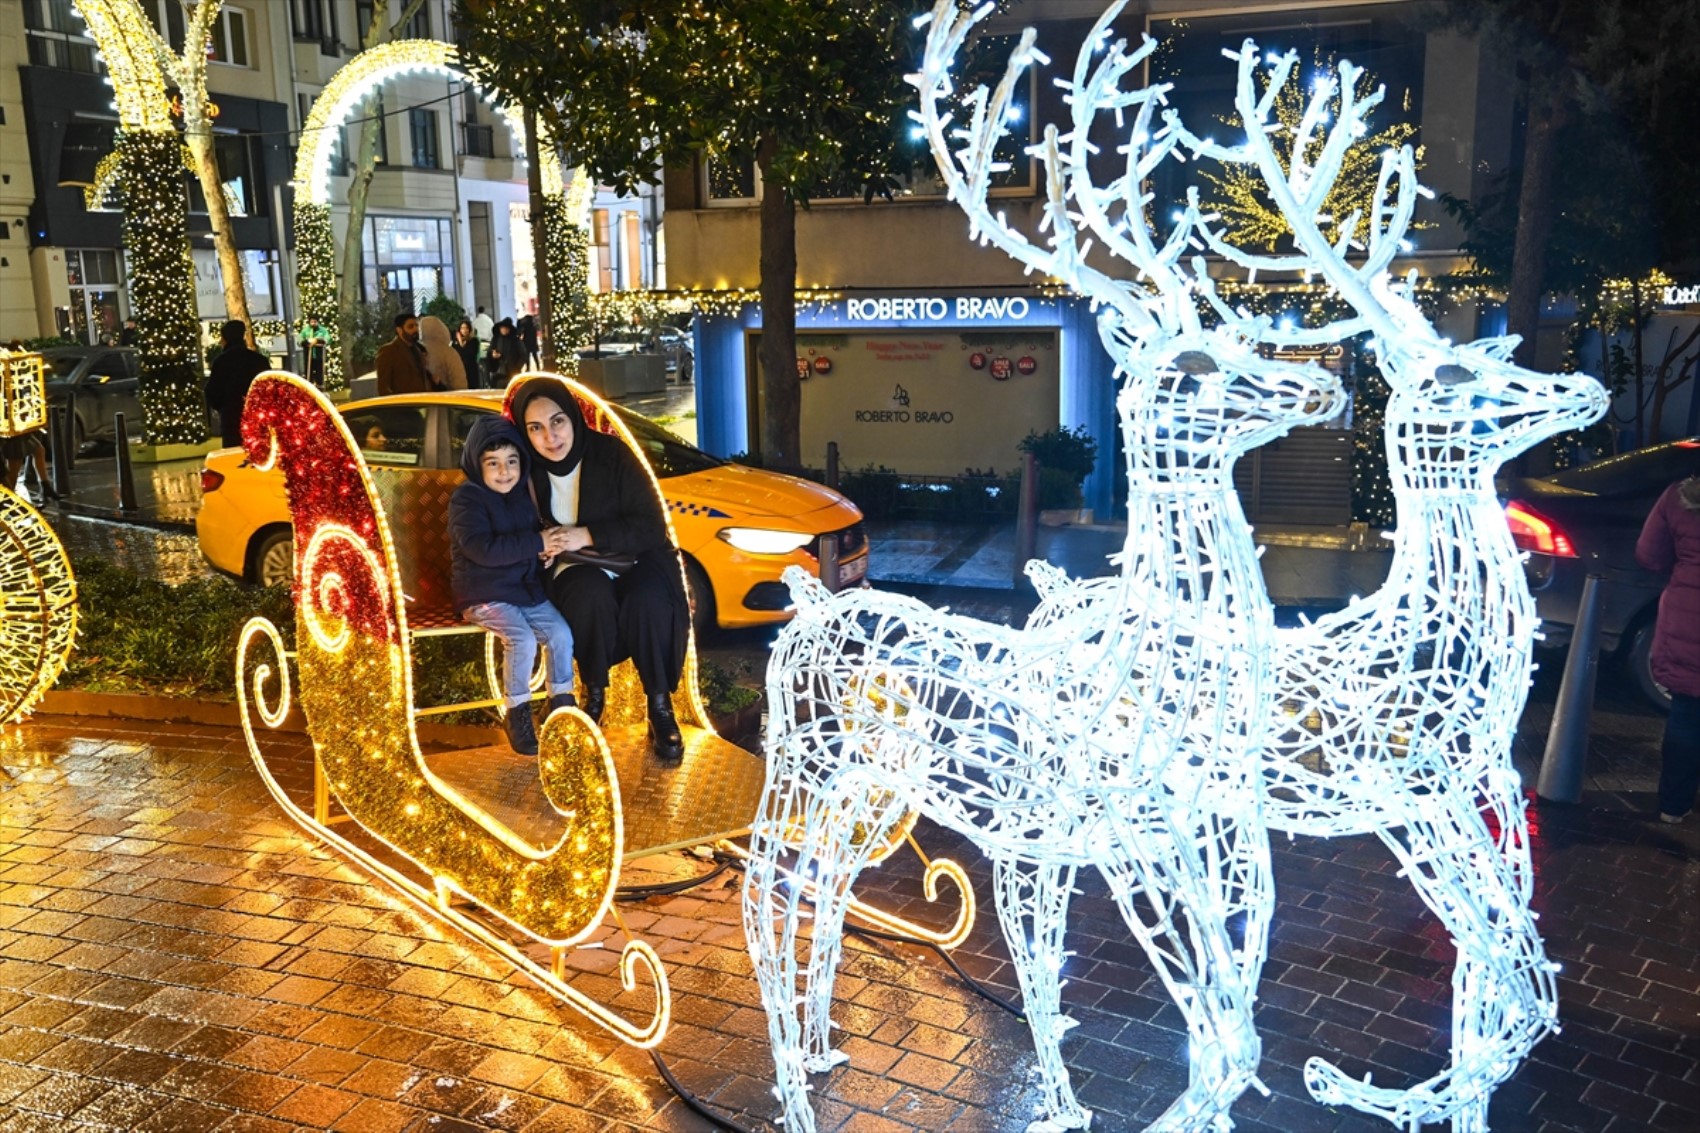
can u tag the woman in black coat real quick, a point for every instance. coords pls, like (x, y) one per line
(593, 492)
(466, 345)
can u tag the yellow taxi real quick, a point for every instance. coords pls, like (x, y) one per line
(738, 527)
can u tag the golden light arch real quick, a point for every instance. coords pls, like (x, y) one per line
(125, 39)
(566, 193)
(371, 69)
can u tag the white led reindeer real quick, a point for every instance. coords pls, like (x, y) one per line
(1126, 734)
(1398, 711)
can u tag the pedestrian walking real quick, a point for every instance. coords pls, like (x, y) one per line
(1670, 542)
(233, 371)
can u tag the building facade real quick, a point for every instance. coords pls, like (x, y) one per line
(916, 317)
(446, 214)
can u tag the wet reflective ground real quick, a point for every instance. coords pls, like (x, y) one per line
(174, 955)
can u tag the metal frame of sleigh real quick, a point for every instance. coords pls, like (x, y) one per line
(524, 859)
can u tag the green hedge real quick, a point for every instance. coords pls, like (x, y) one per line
(137, 634)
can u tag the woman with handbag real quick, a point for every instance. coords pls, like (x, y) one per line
(614, 573)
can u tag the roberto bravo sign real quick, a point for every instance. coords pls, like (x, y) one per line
(936, 309)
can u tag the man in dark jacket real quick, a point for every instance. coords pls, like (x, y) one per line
(401, 360)
(496, 554)
(233, 371)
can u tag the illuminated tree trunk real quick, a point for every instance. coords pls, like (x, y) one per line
(218, 214)
(781, 409)
(188, 72)
(162, 284)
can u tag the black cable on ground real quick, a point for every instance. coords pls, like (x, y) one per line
(974, 985)
(696, 1104)
(668, 888)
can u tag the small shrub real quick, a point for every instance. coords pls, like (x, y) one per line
(1070, 451)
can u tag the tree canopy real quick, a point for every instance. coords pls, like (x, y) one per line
(811, 94)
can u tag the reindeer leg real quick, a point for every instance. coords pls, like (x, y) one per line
(774, 910)
(833, 829)
(853, 824)
(1504, 997)
(1204, 878)
(1032, 903)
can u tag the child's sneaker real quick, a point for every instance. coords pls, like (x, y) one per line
(522, 734)
(562, 700)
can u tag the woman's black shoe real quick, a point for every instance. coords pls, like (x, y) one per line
(595, 698)
(664, 734)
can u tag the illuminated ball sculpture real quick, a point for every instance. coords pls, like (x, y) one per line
(1124, 733)
(1397, 713)
(356, 692)
(566, 198)
(38, 593)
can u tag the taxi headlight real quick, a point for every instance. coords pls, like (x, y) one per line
(762, 541)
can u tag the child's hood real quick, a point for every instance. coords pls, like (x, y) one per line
(490, 431)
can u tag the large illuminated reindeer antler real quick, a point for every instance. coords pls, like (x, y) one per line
(1077, 213)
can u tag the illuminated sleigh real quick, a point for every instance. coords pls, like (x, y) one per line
(525, 859)
(38, 594)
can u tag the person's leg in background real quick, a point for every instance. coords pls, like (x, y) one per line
(1679, 764)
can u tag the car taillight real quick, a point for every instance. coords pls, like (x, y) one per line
(210, 480)
(1532, 531)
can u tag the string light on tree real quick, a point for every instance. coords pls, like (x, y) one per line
(162, 288)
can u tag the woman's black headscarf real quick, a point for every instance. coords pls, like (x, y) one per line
(555, 390)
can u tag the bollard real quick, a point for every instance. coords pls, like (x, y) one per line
(829, 562)
(1026, 517)
(61, 458)
(126, 477)
(832, 465)
(1566, 756)
(68, 436)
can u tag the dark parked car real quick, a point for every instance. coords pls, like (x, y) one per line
(104, 381)
(1585, 521)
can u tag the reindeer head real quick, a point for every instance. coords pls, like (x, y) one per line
(1200, 401)
(1462, 411)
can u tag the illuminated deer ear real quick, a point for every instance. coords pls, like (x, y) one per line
(1195, 362)
(1452, 374)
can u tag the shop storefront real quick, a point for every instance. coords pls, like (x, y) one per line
(927, 383)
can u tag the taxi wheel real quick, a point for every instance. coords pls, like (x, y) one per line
(274, 559)
(703, 619)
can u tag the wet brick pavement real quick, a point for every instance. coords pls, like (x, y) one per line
(174, 955)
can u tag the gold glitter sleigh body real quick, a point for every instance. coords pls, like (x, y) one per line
(480, 850)
(431, 844)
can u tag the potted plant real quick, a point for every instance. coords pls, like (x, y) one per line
(1065, 458)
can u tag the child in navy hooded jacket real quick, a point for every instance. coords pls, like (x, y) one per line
(496, 550)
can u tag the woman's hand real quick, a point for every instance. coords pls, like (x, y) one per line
(558, 539)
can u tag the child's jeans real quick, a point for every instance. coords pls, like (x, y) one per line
(520, 628)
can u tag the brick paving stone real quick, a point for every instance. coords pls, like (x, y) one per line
(159, 974)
